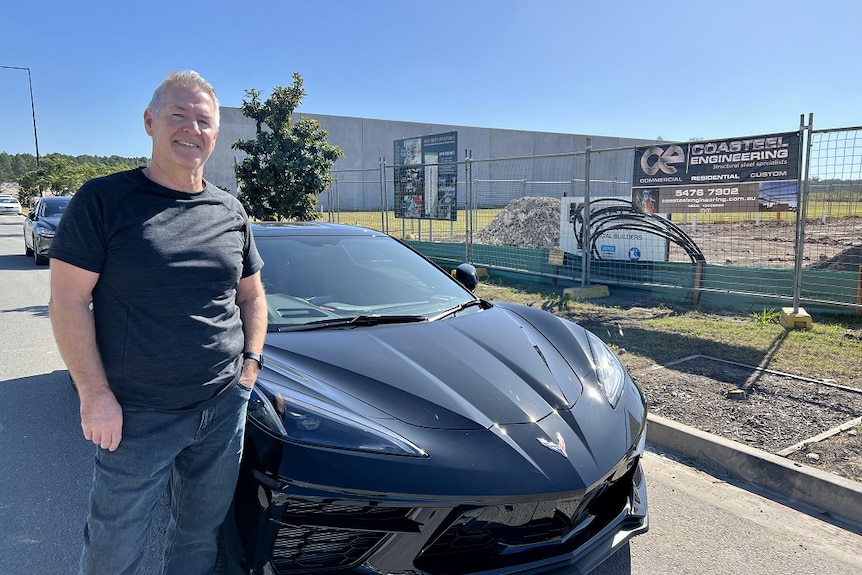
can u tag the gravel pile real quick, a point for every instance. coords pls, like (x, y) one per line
(525, 222)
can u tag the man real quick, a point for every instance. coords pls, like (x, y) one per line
(158, 311)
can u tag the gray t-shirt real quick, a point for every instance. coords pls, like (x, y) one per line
(167, 324)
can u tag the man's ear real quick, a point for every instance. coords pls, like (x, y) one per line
(148, 122)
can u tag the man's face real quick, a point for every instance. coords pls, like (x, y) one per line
(183, 130)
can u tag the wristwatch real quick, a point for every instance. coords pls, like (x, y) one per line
(255, 356)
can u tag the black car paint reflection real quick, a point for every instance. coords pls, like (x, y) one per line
(483, 441)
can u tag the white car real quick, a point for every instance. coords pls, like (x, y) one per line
(9, 205)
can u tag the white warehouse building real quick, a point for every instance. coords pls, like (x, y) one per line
(365, 141)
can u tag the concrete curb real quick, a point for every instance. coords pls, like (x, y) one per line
(837, 496)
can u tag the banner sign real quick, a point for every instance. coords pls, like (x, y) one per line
(426, 177)
(758, 173)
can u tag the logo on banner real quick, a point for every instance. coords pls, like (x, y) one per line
(664, 159)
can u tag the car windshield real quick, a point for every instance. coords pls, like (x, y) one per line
(54, 209)
(8, 201)
(315, 281)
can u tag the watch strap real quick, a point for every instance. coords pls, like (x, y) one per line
(255, 356)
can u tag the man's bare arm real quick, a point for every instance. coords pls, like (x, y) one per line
(251, 299)
(75, 333)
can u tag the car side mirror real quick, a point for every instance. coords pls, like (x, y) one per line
(31, 216)
(468, 277)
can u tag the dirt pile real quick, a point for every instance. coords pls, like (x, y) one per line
(525, 222)
(534, 222)
(849, 260)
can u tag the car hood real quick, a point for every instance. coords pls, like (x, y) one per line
(475, 371)
(49, 223)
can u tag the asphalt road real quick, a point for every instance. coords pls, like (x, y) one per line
(699, 524)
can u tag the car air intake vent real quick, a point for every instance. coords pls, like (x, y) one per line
(489, 538)
(333, 536)
(316, 550)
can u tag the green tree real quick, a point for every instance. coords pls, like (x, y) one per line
(6, 173)
(13, 167)
(21, 163)
(288, 163)
(62, 176)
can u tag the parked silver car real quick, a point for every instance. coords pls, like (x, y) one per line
(40, 225)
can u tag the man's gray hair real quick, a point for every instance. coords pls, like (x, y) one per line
(186, 79)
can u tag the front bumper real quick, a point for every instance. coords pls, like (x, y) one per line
(42, 243)
(306, 529)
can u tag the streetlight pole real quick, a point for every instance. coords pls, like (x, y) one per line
(32, 108)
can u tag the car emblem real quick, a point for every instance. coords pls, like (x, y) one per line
(558, 447)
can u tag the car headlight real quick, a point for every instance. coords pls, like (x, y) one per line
(45, 233)
(610, 372)
(301, 418)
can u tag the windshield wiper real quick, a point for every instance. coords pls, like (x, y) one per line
(360, 321)
(458, 308)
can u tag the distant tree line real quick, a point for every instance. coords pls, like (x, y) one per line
(13, 166)
(58, 174)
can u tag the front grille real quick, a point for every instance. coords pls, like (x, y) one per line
(501, 536)
(331, 537)
(309, 550)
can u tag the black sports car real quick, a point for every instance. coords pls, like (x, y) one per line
(401, 425)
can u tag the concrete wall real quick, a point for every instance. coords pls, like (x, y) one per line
(366, 140)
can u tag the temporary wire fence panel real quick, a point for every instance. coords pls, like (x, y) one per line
(522, 215)
(833, 229)
(354, 197)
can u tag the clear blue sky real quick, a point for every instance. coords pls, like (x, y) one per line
(676, 70)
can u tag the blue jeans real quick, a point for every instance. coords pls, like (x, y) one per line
(193, 454)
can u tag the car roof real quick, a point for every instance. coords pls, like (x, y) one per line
(270, 229)
(55, 198)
